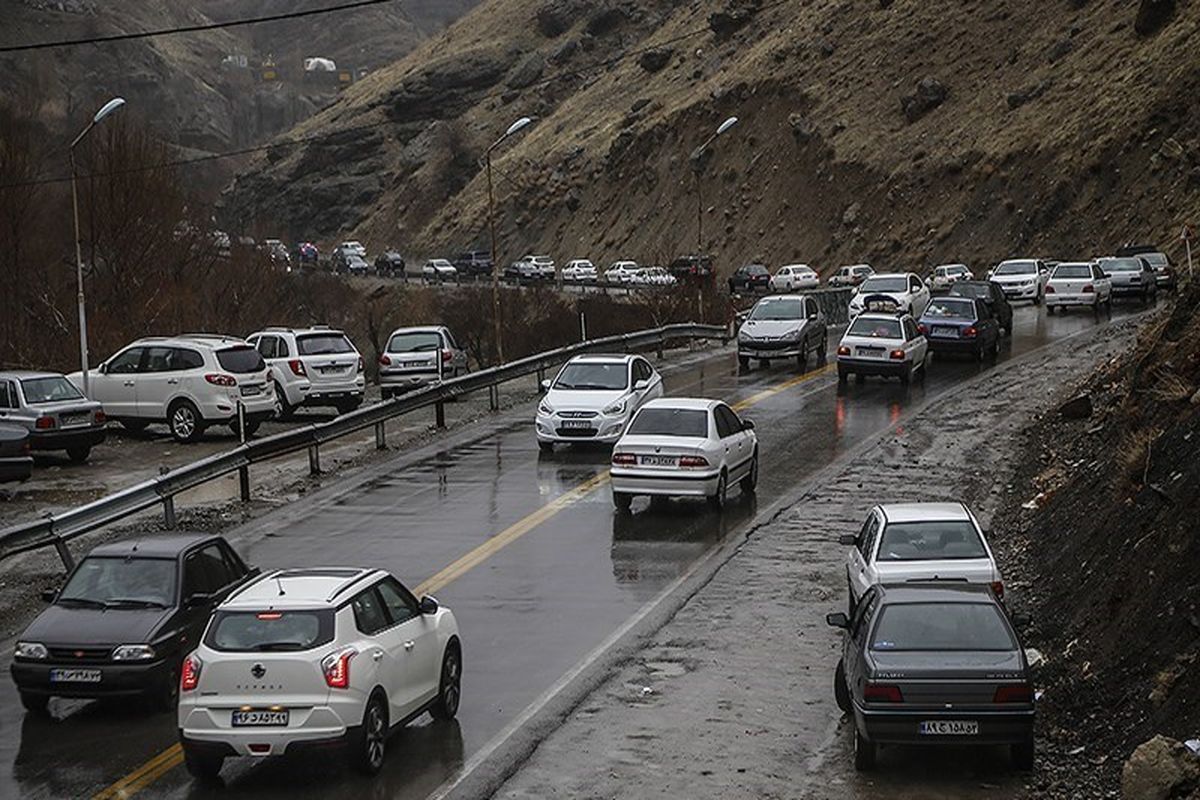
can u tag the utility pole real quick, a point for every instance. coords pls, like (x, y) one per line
(487, 158)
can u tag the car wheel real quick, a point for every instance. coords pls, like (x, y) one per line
(841, 692)
(823, 353)
(185, 421)
(385, 395)
(450, 686)
(906, 375)
(35, 703)
(802, 359)
(1049, 310)
(1037, 299)
(1022, 755)
(369, 741)
(204, 767)
(994, 353)
(750, 482)
(78, 455)
(165, 696)
(623, 501)
(134, 425)
(283, 409)
(743, 363)
(546, 447)
(717, 500)
(864, 752)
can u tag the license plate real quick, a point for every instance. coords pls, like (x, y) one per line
(256, 718)
(576, 423)
(940, 330)
(950, 727)
(416, 364)
(71, 420)
(251, 391)
(864, 352)
(74, 676)
(658, 461)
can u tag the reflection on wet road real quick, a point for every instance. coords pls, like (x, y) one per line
(529, 610)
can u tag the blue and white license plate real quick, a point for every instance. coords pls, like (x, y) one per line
(950, 727)
(868, 352)
(75, 676)
(576, 423)
(259, 718)
(251, 391)
(944, 330)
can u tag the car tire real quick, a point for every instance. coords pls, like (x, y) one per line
(1022, 755)
(623, 501)
(546, 447)
(252, 427)
(994, 352)
(134, 425)
(841, 692)
(750, 482)
(864, 752)
(368, 742)
(1037, 299)
(445, 707)
(1049, 310)
(204, 767)
(283, 409)
(80, 454)
(906, 375)
(843, 376)
(743, 363)
(823, 353)
(36, 703)
(165, 697)
(185, 421)
(717, 500)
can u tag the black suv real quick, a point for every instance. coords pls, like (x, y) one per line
(124, 620)
(691, 267)
(475, 264)
(751, 277)
(389, 264)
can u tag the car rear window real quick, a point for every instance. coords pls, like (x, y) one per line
(48, 390)
(241, 359)
(1156, 259)
(1073, 271)
(122, 581)
(977, 290)
(270, 630)
(926, 541)
(670, 422)
(946, 308)
(414, 342)
(941, 626)
(876, 328)
(1121, 265)
(319, 344)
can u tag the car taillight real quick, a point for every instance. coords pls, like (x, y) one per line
(1013, 694)
(922, 327)
(100, 417)
(1049, 289)
(843, 350)
(361, 364)
(43, 423)
(897, 355)
(189, 676)
(336, 667)
(882, 693)
(297, 367)
(626, 459)
(446, 356)
(693, 461)
(1089, 289)
(998, 589)
(220, 380)
(970, 331)
(385, 361)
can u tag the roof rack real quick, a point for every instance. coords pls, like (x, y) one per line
(348, 583)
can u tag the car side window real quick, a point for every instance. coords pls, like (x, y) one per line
(127, 362)
(182, 359)
(914, 285)
(369, 615)
(233, 564)
(399, 602)
(721, 423)
(158, 359)
(910, 330)
(7, 396)
(870, 535)
(282, 348)
(266, 346)
(727, 422)
(205, 571)
(863, 612)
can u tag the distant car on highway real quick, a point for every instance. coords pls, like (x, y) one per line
(793, 277)
(311, 367)
(340, 257)
(783, 326)
(652, 276)
(15, 462)
(750, 278)
(884, 344)
(946, 275)
(1164, 272)
(315, 657)
(684, 447)
(961, 325)
(123, 621)
(416, 357)
(353, 264)
(390, 264)
(1021, 279)
(691, 267)
(190, 382)
(277, 251)
(908, 291)
(620, 272)
(991, 294)
(307, 254)
(532, 268)
(1078, 283)
(474, 264)
(935, 663)
(592, 398)
(851, 275)
(439, 270)
(1131, 276)
(901, 542)
(580, 270)
(53, 411)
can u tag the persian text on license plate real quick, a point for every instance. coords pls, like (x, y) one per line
(942, 330)
(70, 420)
(251, 391)
(950, 727)
(658, 461)
(576, 423)
(867, 352)
(74, 676)
(259, 718)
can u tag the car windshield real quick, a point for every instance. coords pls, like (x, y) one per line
(49, 390)
(596, 375)
(416, 342)
(1073, 271)
(270, 631)
(777, 308)
(122, 581)
(930, 541)
(670, 422)
(941, 626)
(319, 344)
(240, 359)
(946, 308)
(1016, 268)
(897, 284)
(973, 290)
(1156, 260)
(875, 328)
(1121, 265)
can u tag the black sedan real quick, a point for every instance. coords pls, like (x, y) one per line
(389, 264)
(15, 462)
(127, 615)
(960, 325)
(750, 278)
(991, 294)
(932, 664)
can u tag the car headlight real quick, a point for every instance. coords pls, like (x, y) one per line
(792, 335)
(31, 650)
(133, 652)
(545, 408)
(615, 409)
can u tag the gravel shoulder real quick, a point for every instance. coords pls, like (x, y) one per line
(732, 697)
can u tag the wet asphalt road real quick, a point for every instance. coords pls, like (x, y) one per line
(527, 613)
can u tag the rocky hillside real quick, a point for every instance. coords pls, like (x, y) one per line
(901, 132)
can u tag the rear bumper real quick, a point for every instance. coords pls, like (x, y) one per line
(1131, 289)
(313, 726)
(116, 680)
(317, 394)
(903, 727)
(406, 381)
(862, 366)
(1058, 299)
(66, 439)
(790, 350)
(257, 408)
(652, 482)
(948, 345)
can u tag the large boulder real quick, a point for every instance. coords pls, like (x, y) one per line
(654, 60)
(1160, 769)
(930, 94)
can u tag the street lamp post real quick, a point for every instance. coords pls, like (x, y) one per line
(108, 108)
(697, 155)
(487, 157)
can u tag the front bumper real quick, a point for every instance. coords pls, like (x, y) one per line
(903, 727)
(66, 439)
(665, 484)
(1018, 292)
(869, 366)
(606, 430)
(116, 679)
(770, 349)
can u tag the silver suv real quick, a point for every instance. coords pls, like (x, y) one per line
(316, 366)
(416, 357)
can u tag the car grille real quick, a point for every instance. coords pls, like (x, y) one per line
(577, 433)
(577, 414)
(81, 655)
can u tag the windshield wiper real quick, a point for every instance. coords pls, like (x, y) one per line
(84, 601)
(134, 601)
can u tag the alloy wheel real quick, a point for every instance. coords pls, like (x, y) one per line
(183, 422)
(376, 734)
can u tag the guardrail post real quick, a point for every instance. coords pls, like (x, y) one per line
(169, 512)
(314, 460)
(244, 483)
(64, 553)
(494, 397)
(380, 441)
(661, 340)
(440, 414)
(541, 375)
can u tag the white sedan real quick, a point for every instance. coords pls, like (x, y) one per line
(592, 398)
(579, 270)
(919, 542)
(684, 447)
(1021, 279)
(1078, 284)
(620, 272)
(908, 291)
(791, 277)
(882, 344)
(439, 269)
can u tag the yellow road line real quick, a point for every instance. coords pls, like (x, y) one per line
(172, 757)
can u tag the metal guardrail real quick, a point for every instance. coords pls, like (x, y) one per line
(55, 530)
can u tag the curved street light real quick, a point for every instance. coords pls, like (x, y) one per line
(697, 155)
(487, 157)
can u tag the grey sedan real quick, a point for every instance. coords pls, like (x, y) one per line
(933, 663)
(54, 412)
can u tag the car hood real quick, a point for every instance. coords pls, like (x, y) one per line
(1029, 276)
(583, 399)
(65, 625)
(771, 328)
(946, 664)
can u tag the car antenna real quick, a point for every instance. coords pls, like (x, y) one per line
(279, 583)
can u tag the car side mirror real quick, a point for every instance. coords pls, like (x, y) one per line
(48, 595)
(812, 315)
(848, 539)
(428, 605)
(198, 599)
(102, 367)
(838, 620)
(641, 385)
(747, 424)
(545, 384)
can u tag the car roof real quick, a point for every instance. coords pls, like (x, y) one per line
(780, 297)
(418, 329)
(936, 592)
(891, 275)
(603, 358)
(1073, 264)
(322, 586)
(163, 545)
(209, 340)
(695, 403)
(28, 373)
(920, 512)
(299, 331)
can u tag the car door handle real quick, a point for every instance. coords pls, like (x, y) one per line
(409, 645)
(173, 381)
(377, 655)
(129, 383)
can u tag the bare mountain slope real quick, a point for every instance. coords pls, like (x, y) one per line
(900, 132)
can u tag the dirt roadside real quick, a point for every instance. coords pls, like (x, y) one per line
(733, 698)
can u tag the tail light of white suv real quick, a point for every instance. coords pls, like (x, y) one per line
(336, 667)
(189, 675)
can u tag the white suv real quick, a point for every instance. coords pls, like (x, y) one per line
(190, 382)
(315, 366)
(306, 658)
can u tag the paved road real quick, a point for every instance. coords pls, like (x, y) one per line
(551, 573)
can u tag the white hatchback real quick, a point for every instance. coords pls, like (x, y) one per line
(683, 447)
(792, 277)
(579, 270)
(307, 658)
(620, 272)
(592, 398)
(905, 289)
(919, 542)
